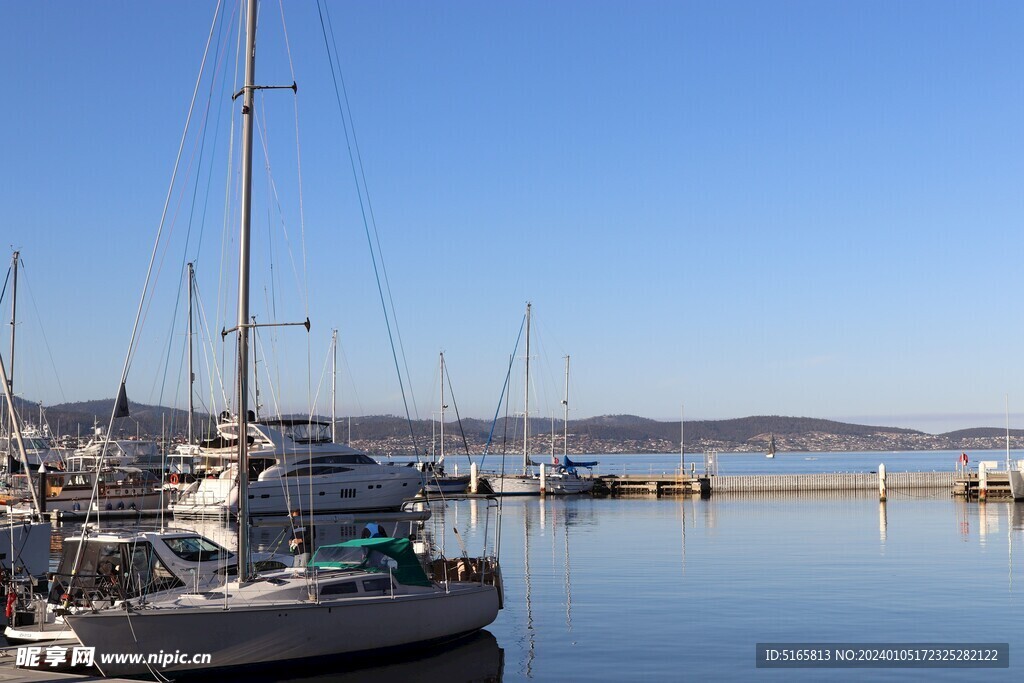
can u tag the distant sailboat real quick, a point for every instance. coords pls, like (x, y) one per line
(771, 448)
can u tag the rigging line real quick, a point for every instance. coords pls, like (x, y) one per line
(366, 227)
(298, 163)
(170, 343)
(302, 212)
(46, 341)
(451, 392)
(369, 205)
(320, 384)
(144, 303)
(212, 368)
(218, 63)
(272, 191)
(227, 221)
(7, 279)
(504, 388)
(222, 56)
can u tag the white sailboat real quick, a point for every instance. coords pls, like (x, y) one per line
(524, 482)
(295, 614)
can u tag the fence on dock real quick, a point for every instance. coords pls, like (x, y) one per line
(847, 481)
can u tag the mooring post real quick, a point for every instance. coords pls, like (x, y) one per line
(543, 482)
(473, 477)
(881, 482)
(982, 481)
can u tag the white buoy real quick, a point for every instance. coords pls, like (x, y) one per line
(982, 481)
(881, 482)
(473, 477)
(543, 488)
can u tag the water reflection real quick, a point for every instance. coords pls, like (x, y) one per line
(477, 658)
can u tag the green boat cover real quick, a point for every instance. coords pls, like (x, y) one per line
(359, 553)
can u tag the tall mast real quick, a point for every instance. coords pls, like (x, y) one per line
(191, 373)
(443, 406)
(526, 401)
(14, 314)
(565, 409)
(9, 420)
(334, 386)
(243, 293)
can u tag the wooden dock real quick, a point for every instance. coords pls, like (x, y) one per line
(998, 486)
(755, 484)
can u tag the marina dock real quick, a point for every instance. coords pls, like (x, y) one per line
(674, 484)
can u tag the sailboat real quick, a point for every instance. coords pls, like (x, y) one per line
(565, 477)
(770, 453)
(524, 482)
(298, 613)
(436, 480)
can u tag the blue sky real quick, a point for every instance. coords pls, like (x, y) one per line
(794, 208)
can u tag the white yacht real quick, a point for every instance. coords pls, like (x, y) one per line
(294, 464)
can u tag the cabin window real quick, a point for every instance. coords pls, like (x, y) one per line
(340, 588)
(306, 471)
(370, 585)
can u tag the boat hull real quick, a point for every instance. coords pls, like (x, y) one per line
(380, 487)
(242, 636)
(514, 485)
(447, 486)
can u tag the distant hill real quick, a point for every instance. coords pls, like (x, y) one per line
(79, 418)
(599, 434)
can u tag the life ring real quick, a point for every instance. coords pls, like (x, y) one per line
(174, 478)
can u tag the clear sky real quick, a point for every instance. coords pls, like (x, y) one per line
(794, 208)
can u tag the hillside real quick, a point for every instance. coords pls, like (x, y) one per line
(601, 434)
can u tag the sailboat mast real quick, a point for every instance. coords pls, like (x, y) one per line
(191, 373)
(565, 413)
(14, 319)
(443, 406)
(334, 386)
(526, 401)
(248, 114)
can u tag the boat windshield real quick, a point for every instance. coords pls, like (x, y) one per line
(196, 549)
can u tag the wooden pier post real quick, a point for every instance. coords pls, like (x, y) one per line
(881, 482)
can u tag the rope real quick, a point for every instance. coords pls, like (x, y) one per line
(451, 392)
(366, 211)
(504, 388)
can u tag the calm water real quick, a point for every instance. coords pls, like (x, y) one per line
(653, 589)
